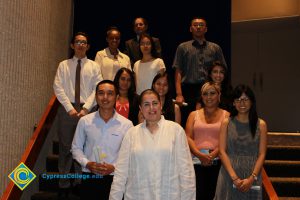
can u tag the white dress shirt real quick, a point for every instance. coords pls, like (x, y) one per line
(156, 167)
(64, 82)
(110, 65)
(145, 72)
(92, 131)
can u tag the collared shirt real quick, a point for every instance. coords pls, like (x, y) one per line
(154, 166)
(110, 65)
(64, 82)
(194, 59)
(93, 137)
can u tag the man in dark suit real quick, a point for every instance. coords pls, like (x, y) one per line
(132, 48)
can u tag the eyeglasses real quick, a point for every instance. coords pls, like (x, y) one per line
(239, 100)
(145, 43)
(80, 42)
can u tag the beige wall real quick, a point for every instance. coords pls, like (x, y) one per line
(258, 9)
(34, 37)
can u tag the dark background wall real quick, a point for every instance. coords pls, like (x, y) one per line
(169, 23)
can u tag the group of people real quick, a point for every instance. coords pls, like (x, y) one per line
(118, 119)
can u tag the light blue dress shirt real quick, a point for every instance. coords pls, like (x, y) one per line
(93, 132)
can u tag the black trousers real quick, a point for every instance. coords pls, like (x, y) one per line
(206, 181)
(95, 188)
(191, 94)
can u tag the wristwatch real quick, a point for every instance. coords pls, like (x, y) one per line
(254, 176)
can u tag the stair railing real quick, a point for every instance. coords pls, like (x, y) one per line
(268, 187)
(36, 142)
(34, 146)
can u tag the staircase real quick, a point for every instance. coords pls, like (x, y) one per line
(283, 164)
(48, 189)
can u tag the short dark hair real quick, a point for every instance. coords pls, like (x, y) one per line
(80, 33)
(197, 17)
(109, 82)
(148, 91)
(112, 28)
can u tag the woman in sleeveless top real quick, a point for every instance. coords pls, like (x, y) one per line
(202, 129)
(243, 144)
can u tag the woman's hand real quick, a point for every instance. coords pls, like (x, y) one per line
(206, 160)
(246, 184)
(237, 182)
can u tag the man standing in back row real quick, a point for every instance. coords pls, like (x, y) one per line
(74, 87)
(191, 63)
(132, 46)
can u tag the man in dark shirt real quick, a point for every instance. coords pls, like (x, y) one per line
(191, 63)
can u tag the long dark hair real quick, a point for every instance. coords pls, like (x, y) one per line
(154, 53)
(253, 117)
(132, 89)
(168, 108)
(226, 89)
(132, 96)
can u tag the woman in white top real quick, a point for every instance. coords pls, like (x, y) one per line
(154, 160)
(146, 68)
(111, 59)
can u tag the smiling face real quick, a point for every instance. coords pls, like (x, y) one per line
(161, 86)
(210, 96)
(106, 96)
(113, 39)
(150, 107)
(242, 104)
(124, 81)
(217, 74)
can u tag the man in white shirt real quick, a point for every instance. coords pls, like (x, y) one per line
(97, 142)
(74, 86)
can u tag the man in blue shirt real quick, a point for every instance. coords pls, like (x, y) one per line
(97, 141)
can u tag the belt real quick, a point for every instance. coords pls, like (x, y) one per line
(81, 104)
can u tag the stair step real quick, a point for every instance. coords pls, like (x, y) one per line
(279, 152)
(282, 168)
(291, 139)
(43, 195)
(52, 163)
(286, 187)
(48, 184)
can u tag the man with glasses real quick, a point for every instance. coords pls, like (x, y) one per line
(132, 47)
(191, 63)
(74, 86)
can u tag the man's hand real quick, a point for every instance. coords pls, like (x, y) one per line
(179, 100)
(100, 168)
(73, 113)
(83, 112)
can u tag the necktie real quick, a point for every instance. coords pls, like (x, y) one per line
(77, 86)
